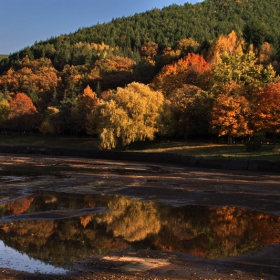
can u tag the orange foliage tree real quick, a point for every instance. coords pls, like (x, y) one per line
(38, 74)
(23, 113)
(87, 104)
(149, 50)
(225, 44)
(230, 116)
(266, 112)
(192, 70)
(113, 72)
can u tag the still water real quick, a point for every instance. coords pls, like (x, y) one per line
(47, 231)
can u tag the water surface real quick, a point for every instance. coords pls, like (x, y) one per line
(58, 229)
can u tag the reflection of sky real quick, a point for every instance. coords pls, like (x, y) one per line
(12, 259)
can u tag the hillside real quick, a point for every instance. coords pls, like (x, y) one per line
(204, 22)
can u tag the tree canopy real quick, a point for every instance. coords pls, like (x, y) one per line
(205, 70)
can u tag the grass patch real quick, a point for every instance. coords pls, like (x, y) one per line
(51, 142)
(266, 152)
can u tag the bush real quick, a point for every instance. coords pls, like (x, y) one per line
(255, 142)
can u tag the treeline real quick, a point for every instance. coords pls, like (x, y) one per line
(229, 87)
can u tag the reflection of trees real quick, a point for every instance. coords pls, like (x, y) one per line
(59, 241)
(216, 232)
(132, 219)
(201, 231)
(19, 206)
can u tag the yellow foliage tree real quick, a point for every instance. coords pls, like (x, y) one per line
(130, 115)
(225, 44)
(4, 112)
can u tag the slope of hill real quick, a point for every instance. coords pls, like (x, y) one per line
(203, 22)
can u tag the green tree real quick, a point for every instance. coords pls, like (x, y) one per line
(32, 94)
(254, 33)
(68, 113)
(241, 69)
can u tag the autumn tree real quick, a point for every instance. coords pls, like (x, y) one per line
(229, 116)
(192, 70)
(4, 112)
(72, 78)
(168, 56)
(23, 113)
(167, 126)
(266, 54)
(5, 94)
(87, 104)
(149, 50)
(51, 122)
(266, 112)
(191, 107)
(130, 115)
(188, 45)
(224, 45)
(114, 71)
(37, 79)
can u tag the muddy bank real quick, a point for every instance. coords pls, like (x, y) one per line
(176, 185)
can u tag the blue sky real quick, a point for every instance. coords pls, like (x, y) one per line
(22, 22)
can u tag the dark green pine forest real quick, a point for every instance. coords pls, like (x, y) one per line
(204, 22)
(84, 82)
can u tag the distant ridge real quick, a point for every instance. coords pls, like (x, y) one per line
(204, 22)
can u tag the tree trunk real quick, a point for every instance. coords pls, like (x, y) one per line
(229, 139)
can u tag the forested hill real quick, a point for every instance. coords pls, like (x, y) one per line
(203, 22)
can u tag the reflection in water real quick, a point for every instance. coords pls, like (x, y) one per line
(63, 228)
(12, 259)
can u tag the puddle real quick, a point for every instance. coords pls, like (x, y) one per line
(59, 229)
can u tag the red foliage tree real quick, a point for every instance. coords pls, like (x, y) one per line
(23, 113)
(191, 70)
(266, 114)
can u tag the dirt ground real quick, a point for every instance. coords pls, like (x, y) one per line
(176, 185)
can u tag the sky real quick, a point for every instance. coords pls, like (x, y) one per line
(22, 22)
